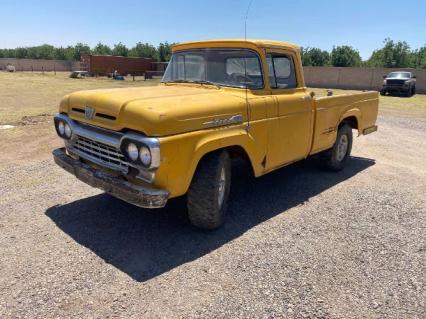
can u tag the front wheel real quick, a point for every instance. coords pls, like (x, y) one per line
(209, 191)
(336, 157)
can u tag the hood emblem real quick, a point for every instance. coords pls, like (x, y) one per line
(89, 112)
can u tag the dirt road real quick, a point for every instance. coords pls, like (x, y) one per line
(298, 243)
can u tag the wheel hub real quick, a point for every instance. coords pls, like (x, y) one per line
(342, 147)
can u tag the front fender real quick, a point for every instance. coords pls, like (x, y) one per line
(182, 153)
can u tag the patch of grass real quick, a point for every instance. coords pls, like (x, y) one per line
(30, 94)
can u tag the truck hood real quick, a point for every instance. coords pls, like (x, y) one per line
(156, 110)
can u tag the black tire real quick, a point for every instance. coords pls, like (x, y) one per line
(382, 92)
(413, 90)
(205, 209)
(332, 158)
(409, 92)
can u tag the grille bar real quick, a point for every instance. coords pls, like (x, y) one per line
(395, 82)
(99, 153)
(100, 149)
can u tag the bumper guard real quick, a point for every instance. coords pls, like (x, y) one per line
(140, 196)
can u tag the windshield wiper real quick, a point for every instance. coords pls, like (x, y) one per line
(178, 81)
(196, 82)
(206, 82)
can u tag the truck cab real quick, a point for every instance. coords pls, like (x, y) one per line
(218, 100)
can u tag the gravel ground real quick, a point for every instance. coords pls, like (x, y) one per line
(298, 243)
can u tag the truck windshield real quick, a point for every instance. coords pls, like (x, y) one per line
(399, 75)
(239, 68)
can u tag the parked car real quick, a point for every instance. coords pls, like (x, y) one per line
(219, 100)
(399, 82)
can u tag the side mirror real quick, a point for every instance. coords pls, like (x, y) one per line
(384, 76)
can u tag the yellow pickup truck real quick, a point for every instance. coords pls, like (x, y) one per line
(218, 100)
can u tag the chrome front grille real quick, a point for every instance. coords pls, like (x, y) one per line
(99, 153)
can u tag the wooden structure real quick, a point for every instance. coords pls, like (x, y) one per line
(107, 64)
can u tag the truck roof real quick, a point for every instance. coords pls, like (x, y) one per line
(238, 42)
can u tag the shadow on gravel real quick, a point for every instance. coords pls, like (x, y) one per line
(146, 243)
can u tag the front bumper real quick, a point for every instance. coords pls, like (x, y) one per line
(396, 88)
(141, 196)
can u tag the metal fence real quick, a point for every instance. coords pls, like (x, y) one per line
(39, 65)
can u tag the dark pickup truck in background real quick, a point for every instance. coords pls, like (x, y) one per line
(399, 82)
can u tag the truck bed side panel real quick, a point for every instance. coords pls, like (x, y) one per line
(330, 111)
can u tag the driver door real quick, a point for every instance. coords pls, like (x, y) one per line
(290, 132)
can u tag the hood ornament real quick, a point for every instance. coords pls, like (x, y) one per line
(89, 112)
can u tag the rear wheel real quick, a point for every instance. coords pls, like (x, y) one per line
(336, 157)
(209, 191)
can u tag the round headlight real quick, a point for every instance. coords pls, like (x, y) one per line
(68, 130)
(132, 151)
(145, 155)
(61, 128)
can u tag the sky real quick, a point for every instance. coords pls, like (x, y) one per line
(323, 23)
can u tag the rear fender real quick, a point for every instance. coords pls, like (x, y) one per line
(356, 113)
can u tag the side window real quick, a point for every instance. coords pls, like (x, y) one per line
(281, 72)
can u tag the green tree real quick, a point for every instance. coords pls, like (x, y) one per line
(47, 51)
(21, 53)
(102, 49)
(314, 57)
(79, 49)
(69, 52)
(120, 50)
(145, 50)
(32, 53)
(392, 55)
(421, 58)
(345, 56)
(60, 53)
(164, 51)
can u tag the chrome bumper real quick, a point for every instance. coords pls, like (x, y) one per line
(118, 187)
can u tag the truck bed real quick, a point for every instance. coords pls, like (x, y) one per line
(359, 108)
